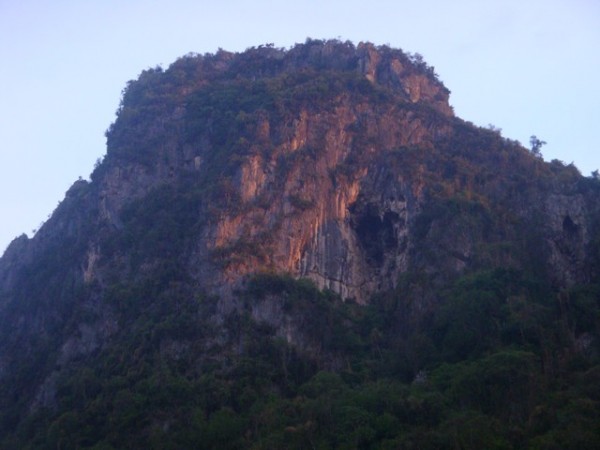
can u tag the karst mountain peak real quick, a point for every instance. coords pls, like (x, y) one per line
(284, 224)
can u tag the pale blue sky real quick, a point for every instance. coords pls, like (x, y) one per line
(525, 66)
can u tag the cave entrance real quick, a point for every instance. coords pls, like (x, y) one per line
(376, 234)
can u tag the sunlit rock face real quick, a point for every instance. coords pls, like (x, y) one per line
(307, 129)
(328, 161)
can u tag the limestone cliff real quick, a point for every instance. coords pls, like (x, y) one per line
(338, 163)
(315, 161)
(298, 147)
(306, 140)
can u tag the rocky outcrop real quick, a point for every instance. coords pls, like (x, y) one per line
(332, 187)
(568, 235)
(341, 164)
(302, 200)
(315, 213)
(399, 71)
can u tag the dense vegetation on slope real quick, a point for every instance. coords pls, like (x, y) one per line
(119, 328)
(505, 362)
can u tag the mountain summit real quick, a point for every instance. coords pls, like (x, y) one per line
(283, 144)
(313, 209)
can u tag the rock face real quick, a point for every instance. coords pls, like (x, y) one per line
(321, 159)
(302, 162)
(318, 220)
(340, 164)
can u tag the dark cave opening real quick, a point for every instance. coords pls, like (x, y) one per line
(569, 227)
(376, 234)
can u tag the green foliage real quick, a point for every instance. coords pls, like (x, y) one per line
(324, 319)
(174, 378)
